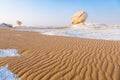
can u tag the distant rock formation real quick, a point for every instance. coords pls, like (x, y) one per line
(79, 17)
(18, 23)
(5, 25)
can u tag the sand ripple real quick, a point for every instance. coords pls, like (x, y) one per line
(61, 58)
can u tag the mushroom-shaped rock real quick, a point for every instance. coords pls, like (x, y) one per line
(79, 17)
(18, 23)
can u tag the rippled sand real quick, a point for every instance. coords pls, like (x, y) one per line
(60, 58)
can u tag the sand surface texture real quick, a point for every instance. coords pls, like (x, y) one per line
(60, 58)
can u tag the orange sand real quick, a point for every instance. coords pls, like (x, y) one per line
(60, 58)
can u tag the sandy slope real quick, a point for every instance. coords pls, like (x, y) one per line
(60, 58)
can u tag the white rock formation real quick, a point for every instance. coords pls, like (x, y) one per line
(5, 25)
(79, 17)
(18, 24)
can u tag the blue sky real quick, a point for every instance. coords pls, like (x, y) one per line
(58, 12)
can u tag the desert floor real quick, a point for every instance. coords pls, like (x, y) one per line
(60, 58)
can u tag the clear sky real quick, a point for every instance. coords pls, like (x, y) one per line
(58, 12)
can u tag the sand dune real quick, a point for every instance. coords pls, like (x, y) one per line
(60, 58)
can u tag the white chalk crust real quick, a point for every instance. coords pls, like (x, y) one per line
(8, 52)
(6, 74)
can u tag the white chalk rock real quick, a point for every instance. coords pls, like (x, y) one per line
(79, 17)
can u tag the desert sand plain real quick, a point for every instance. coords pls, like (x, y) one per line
(44, 57)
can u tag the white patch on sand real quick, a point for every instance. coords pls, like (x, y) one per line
(49, 33)
(8, 52)
(89, 30)
(6, 74)
(93, 32)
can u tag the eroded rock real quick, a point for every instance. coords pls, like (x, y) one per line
(79, 17)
